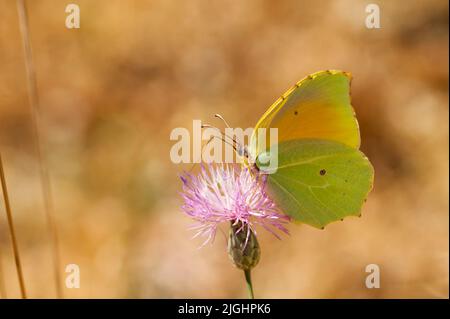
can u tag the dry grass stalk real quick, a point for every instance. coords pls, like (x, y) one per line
(43, 167)
(12, 231)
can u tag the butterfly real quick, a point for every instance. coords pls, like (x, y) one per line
(321, 176)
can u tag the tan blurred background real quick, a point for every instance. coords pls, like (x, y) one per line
(112, 91)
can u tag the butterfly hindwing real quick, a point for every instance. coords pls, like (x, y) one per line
(320, 181)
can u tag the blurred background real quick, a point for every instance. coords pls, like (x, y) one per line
(112, 91)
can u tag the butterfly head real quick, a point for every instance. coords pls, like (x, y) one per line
(242, 150)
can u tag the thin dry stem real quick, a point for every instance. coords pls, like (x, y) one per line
(12, 231)
(3, 293)
(43, 167)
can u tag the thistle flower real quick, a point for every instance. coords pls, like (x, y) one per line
(225, 193)
(243, 249)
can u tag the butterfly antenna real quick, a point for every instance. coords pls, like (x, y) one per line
(236, 143)
(223, 120)
(228, 126)
(221, 137)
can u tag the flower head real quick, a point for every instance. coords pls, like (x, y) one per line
(225, 193)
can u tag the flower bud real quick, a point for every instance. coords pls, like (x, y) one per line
(243, 247)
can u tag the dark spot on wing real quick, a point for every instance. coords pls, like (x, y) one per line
(322, 172)
(295, 113)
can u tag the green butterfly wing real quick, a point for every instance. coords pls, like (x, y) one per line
(319, 106)
(319, 181)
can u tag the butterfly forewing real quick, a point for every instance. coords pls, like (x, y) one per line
(317, 107)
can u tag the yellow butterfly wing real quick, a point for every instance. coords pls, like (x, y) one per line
(318, 106)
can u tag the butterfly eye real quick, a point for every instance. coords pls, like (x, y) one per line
(241, 150)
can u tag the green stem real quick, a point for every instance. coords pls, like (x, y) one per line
(248, 279)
